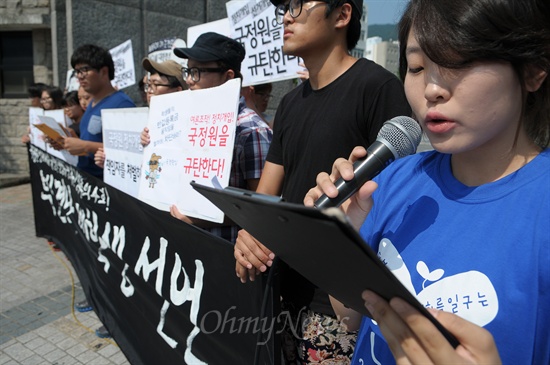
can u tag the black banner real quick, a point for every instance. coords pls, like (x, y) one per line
(165, 290)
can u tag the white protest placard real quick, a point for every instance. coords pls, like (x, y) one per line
(218, 26)
(192, 137)
(253, 24)
(163, 50)
(36, 135)
(59, 117)
(52, 126)
(71, 82)
(123, 58)
(123, 150)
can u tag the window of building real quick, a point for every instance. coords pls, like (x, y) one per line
(16, 64)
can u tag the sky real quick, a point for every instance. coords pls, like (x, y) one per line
(385, 11)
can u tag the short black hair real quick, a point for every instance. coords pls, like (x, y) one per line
(94, 56)
(224, 66)
(35, 89)
(70, 98)
(512, 31)
(354, 27)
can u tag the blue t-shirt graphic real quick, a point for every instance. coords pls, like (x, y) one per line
(480, 252)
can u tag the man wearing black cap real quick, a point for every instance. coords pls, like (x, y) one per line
(213, 60)
(342, 105)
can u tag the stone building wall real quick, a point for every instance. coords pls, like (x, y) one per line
(14, 119)
(24, 13)
(34, 16)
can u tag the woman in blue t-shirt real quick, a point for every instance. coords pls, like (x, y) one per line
(464, 227)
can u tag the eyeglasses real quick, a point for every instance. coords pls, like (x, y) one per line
(294, 7)
(45, 100)
(264, 96)
(83, 71)
(153, 86)
(195, 72)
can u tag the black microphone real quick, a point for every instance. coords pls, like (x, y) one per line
(398, 137)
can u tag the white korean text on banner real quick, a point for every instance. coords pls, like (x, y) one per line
(165, 290)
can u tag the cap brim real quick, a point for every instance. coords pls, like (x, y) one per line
(197, 53)
(173, 69)
(180, 52)
(147, 65)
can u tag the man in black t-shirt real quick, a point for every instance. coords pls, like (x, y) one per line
(343, 104)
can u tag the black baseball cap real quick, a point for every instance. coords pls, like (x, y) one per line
(211, 47)
(357, 5)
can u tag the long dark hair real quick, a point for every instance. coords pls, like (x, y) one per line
(56, 94)
(455, 33)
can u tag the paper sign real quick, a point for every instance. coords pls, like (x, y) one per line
(59, 117)
(192, 137)
(122, 147)
(219, 26)
(71, 83)
(163, 50)
(51, 128)
(36, 135)
(123, 58)
(253, 24)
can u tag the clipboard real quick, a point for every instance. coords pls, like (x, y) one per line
(319, 244)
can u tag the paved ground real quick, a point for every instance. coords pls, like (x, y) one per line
(37, 323)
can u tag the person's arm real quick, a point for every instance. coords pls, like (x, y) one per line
(413, 339)
(77, 146)
(271, 182)
(26, 138)
(251, 256)
(347, 316)
(252, 184)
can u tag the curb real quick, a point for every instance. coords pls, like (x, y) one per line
(7, 180)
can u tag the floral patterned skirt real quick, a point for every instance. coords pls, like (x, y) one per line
(324, 340)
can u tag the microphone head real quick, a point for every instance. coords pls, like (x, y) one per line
(401, 135)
